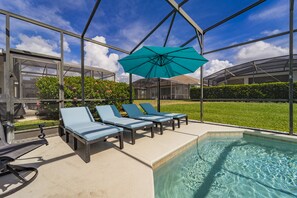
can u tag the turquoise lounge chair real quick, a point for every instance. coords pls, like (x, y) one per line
(133, 112)
(150, 110)
(109, 114)
(80, 123)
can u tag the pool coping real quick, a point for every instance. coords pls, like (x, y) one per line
(173, 153)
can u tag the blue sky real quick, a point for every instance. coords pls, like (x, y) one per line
(125, 23)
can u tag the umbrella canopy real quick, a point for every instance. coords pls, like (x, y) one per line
(162, 62)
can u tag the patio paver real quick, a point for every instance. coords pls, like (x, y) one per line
(111, 172)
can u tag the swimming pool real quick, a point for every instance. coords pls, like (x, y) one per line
(233, 166)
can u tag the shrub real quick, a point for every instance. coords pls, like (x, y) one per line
(279, 90)
(110, 92)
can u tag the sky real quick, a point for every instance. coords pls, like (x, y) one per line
(126, 23)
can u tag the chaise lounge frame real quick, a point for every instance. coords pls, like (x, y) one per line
(156, 123)
(87, 143)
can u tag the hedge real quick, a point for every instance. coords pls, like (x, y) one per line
(48, 88)
(279, 90)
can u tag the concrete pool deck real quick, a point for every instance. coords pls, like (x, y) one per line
(112, 172)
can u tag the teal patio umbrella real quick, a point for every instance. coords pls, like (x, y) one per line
(162, 62)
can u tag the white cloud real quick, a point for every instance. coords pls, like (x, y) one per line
(216, 65)
(211, 67)
(96, 55)
(46, 14)
(70, 4)
(278, 10)
(2, 40)
(66, 46)
(255, 51)
(123, 77)
(132, 34)
(37, 44)
(259, 50)
(74, 61)
(270, 32)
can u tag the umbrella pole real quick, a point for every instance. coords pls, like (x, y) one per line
(291, 80)
(159, 94)
(130, 89)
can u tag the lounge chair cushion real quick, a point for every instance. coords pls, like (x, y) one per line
(174, 115)
(107, 112)
(74, 115)
(149, 109)
(133, 112)
(116, 111)
(93, 130)
(154, 118)
(128, 123)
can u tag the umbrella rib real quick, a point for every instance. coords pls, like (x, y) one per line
(169, 60)
(168, 71)
(187, 58)
(174, 71)
(139, 65)
(177, 50)
(151, 69)
(133, 58)
(151, 50)
(154, 59)
(180, 65)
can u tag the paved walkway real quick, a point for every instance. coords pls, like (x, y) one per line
(111, 172)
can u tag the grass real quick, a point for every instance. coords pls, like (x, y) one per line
(273, 116)
(32, 124)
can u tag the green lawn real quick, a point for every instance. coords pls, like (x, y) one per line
(272, 116)
(32, 124)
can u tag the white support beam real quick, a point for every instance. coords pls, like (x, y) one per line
(230, 72)
(185, 15)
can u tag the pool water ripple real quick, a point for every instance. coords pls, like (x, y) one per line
(231, 167)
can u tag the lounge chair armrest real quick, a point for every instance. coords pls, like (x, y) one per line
(6, 159)
(42, 134)
(8, 124)
(3, 161)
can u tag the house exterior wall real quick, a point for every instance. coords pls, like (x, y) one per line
(175, 91)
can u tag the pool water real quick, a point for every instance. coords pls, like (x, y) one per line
(245, 166)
